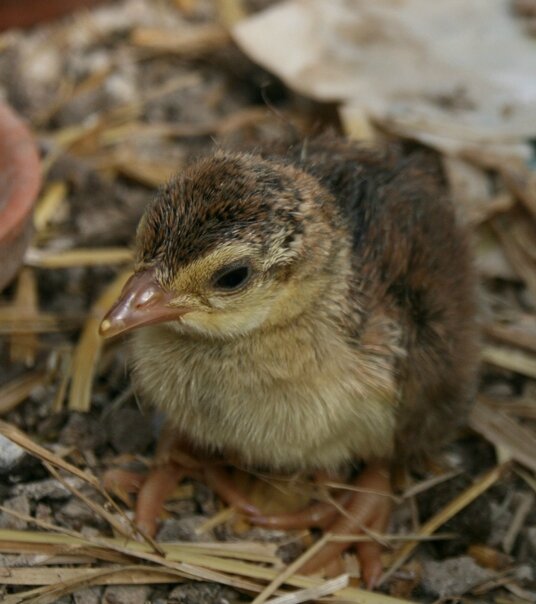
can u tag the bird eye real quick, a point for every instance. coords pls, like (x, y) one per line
(232, 278)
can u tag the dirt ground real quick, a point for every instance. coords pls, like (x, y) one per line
(119, 99)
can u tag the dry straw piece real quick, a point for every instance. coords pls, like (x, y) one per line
(88, 350)
(137, 133)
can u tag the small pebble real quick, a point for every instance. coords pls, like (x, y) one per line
(183, 529)
(49, 488)
(453, 577)
(203, 593)
(76, 514)
(90, 595)
(11, 455)
(126, 594)
(525, 572)
(19, 504)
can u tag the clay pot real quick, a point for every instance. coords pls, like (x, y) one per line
(20, 179)
(23, 13)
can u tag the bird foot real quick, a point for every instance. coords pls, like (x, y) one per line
(152, 488)
(367, 513)
(122, 483)
(363, 510)
(157, 488)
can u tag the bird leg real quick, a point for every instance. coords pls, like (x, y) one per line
(320, 514)
(350, 513)
(157, 488)
(367, 512)
(364, 512)
(221, 483)
(172, 463)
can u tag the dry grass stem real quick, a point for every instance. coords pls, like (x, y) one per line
(92, 505)
(522, 183)
(18, 390)
(511, 359)
(339, 538)
(119, 101)
(221, 517)
(527, 477)
(314, 593)
(14, 322)
(18, 437)
(49, 204)
(522, 334)
(126, 575)
(89, 347)
(424, 485)
(522, 511)
(78, 257)
(515, 252)
(195, 40)
(349, 487)
(24, 346)
(455, 506)
(504, 431)
(291, 570)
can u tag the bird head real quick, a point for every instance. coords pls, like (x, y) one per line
(236, 242)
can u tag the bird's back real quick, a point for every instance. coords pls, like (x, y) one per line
(411, 263)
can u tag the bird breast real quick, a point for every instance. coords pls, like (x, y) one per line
(294, 398)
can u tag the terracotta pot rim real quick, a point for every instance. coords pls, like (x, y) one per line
(27, 13)
(20, 174)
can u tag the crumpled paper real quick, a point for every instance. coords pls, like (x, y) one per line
(457, 75)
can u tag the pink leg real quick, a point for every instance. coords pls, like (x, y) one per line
(159, 485)
(220, 482)
(122, 482)
(320, 514)
(172, 463)
(174, 460)
(369, 509)
(366, 510)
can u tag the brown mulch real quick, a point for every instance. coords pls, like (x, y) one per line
(119, 98)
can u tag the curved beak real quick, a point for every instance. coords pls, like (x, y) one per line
(142, 302)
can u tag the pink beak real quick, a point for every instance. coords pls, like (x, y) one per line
(142, 302)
